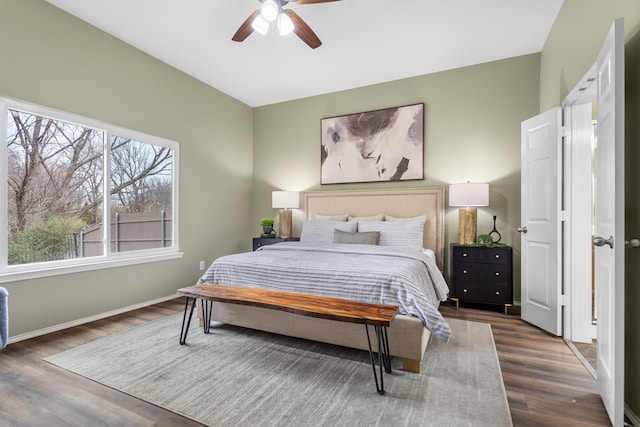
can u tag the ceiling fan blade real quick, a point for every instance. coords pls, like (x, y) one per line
(311, 1)
(245, 29)
(302, 30)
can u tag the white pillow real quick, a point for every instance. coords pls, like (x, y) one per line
(342, 217)
(379, 217)
(397, 218)
(407, 234)
(321, 232)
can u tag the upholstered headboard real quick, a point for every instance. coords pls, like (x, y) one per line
(398, 202)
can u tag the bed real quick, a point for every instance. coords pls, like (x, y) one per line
(389, 274)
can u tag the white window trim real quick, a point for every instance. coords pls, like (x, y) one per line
(97, 263)
(109, 259)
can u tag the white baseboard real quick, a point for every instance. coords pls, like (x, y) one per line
(56, 328)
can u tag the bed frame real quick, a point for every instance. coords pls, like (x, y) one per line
(408, 337)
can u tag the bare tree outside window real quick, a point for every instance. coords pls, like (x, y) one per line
(141, 194)
(50, 164)
(140, 176)
(56, 189)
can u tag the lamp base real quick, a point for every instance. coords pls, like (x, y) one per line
(285, 223)
(467, 225)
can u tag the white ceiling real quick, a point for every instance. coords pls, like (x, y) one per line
(364, 41)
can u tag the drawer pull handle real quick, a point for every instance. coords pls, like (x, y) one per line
(497, 292)
(497, 273)
(465, 291)
(498, 256)
(465, 272)
(465, 255)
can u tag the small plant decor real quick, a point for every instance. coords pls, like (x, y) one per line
(267, 226)
(266, 222)
(486, 240)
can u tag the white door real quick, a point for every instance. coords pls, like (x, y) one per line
(609, 223)
(540, 226)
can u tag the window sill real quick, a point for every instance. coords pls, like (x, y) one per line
(98, 264)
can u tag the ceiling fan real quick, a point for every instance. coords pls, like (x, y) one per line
(286, 21)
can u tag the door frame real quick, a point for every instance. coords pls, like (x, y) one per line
(577, 324)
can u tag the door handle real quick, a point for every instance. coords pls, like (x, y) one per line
(632, 243)
(601, 241)
(522, 229)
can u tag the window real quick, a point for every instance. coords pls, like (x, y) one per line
(82, 193)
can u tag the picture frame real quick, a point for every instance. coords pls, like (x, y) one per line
(373, 146)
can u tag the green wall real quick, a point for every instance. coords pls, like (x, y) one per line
(571, 48)
(472, 133)
(575, 40)
(53, 59)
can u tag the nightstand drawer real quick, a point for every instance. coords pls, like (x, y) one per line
(496, 272)
(468, 271)
(496, 256)
(264, 241)
(471, 291)
(466, 254)
(481, 254)
(481, 272)
(498, 294)
(481, 292)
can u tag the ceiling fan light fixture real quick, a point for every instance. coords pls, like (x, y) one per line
(260, 24)
(286, 21)
(285, 25)
(270, 10)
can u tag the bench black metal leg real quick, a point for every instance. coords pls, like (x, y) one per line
(207, 307)
(185, 330)
(387, 354)
(384, 359)
(383, 343)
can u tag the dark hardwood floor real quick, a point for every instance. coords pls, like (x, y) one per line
(589, 352)
(546, 384)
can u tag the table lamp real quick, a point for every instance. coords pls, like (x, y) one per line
(468, 195)
(285, 201)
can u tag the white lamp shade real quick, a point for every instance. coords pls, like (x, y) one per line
(285, 200)
(469, 194)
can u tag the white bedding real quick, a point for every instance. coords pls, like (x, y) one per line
(369, 273)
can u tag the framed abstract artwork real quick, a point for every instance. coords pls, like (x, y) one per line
(374, 146)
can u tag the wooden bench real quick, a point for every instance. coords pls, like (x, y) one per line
(377, 315)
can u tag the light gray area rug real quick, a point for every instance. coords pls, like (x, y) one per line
(236, 376)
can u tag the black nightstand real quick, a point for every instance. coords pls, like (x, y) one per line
(482, 274)
(262, 241)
